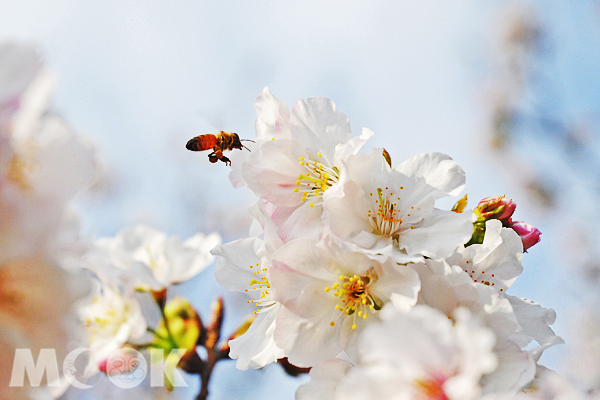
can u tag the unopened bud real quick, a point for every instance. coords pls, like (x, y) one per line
(120, 361)
(182, 325)
(530, 235)
(498, 207)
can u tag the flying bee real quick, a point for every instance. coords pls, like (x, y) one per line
(218, 143)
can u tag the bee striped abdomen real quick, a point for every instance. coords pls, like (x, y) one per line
(201, 143)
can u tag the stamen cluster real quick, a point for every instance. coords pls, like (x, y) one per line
(354, 296)
(316, 180)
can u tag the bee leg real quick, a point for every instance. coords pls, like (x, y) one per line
(226, 160)
(212, 157)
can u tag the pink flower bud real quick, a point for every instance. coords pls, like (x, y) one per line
(102, 366)
(529, 234)
(121, 361)
(498, 207)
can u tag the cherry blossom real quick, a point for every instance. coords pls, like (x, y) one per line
(301, 162)
(240, 268)
(391, 211)
(150, 258)
(415, 355)
(329, 296)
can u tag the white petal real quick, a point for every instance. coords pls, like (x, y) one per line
(272, 117)
(438, 235)
(317, 124)
(324, 379)
(234, 259)
(256, 347)
(534, 320)
(438, 170)
(272, 170)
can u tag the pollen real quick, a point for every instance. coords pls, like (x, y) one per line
(316, 179)
(354, 296)
(481, 276)
(260, 283)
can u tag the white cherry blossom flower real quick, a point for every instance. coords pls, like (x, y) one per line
(476, 278)
(391, 211)
(547, 385)
(151, 258)
(301, 162)
(272, 122)
(240, 267)
(497, 261)
(43, 164)
(415, 355)
(111, 319)
(329, 296)
(448, 288)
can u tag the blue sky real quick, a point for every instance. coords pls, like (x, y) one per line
(142, 77)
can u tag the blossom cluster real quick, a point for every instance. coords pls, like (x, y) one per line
(354, 272)
(60, 292)
(141, 259)
(43, 164)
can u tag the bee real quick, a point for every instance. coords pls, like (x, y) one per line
(218, 143)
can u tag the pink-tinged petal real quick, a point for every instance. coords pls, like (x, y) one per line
(257, 348)
(303, 222)
(296, 265)
(345, 212)
(272, 117)
(272, 171)
(437, 236)
(324, 379)
(439, 170)
(317, 124)
(64, 163)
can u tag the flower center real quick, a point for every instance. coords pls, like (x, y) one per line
(262, 284)
(386, 219)
(315, 181)
(480, 276)
(18, 170)
(354, 297)
(108, 315)
(10, 296)
(431, 389)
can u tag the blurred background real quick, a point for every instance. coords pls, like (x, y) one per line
(510, 90)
